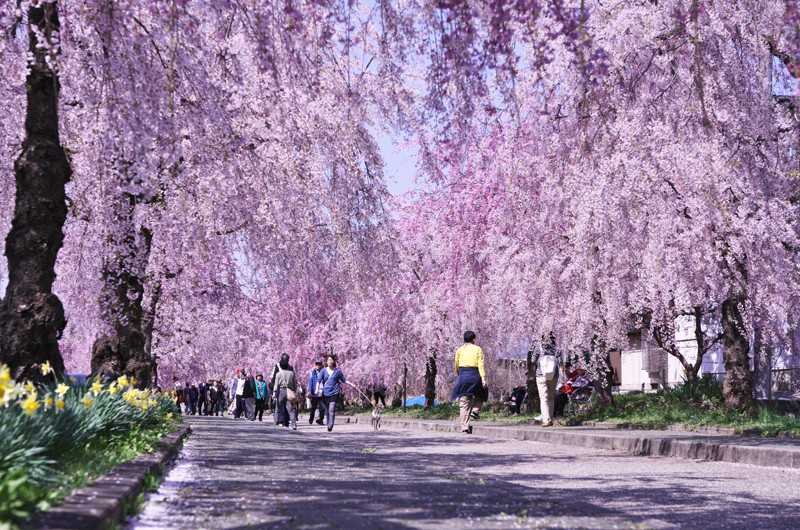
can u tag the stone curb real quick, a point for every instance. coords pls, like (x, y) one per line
(102, 505)
(774, 456)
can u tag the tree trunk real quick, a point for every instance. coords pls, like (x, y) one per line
(31, 316)
(738, 387)
(534, 404)
(123, 291)
(605, 382)
(430, 382)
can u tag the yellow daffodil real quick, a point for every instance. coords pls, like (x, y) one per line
(122, 380)
(169, 416)
(48, 401)
(133, 382)
(46, 368)
(97, 379)
(97, 388)
(29, 387)
(29, 404)
(87, 400)
(112, 388)
(72, 379)
(62, 389)
(59, 405)
(5, 374)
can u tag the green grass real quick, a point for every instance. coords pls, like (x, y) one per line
(682, 405)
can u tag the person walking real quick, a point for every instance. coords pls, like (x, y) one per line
(262, 393)
(379, 390)
(547, 362)
(314, 393)
(249, 396)
(471, 387)
(330, 380)
(213, 398)
(236, 390)
(285, 382)
(192, 395)
(283, 418)
(176, 385)
(202, 399)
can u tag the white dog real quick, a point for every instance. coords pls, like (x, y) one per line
(376, 419)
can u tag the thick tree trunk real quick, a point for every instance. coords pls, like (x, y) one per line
(123, 291)
(534, 404)
(738, 387)
(430, 382)
(605, 382)
(31, 316)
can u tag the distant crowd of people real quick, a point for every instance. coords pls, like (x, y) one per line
(248, 396)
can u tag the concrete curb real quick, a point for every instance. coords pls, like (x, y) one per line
(102, 504)
(775, 456)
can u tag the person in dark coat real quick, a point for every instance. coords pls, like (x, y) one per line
(283, 416)
(379, 390)
(249, 396)
(202, 400)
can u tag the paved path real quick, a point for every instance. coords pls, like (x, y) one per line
(689, 493)
(234, 474)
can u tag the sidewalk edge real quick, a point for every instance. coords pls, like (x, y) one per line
(102, 504)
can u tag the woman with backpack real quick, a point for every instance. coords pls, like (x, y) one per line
(330, 380)
(547, 361)
(285, 388)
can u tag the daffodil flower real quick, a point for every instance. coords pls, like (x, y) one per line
(62, 389)
(46, 368)
(29, 405)
(48, 401)
(97, 388)
(72, 379)
(87, 400)
(169, 416)
(5, 374)
(122, 380)
(29, 387)
(112, 389)
(59, 405)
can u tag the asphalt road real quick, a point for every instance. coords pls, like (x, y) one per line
(689, 493)
(233, 474)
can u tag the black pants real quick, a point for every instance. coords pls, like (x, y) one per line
(382, 398)
(239, 407)
(316, 404)
(561, 402)
(260, 408)
(202, 406)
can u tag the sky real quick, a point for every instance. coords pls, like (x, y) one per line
(400, 165)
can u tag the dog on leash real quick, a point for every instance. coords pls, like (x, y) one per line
(376, 419)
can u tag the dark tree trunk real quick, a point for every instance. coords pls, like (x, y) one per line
(123, 290)
(605, 382)
(738, 387)
(430, 382)
(405, 387)
(31, 316)
(534, 404)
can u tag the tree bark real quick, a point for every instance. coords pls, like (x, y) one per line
(124, 352)
(31, 316)
(604, 383)
(534, 403)
(430, 382)
(738, 387)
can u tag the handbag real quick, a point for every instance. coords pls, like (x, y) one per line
(291, 395)
(548, 366)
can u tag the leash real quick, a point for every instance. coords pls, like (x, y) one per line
(363, 394)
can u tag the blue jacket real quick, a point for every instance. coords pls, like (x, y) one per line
(313, 378)
(261, 390)
(331, 381)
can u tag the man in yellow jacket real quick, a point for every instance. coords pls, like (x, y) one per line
(470, 388)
